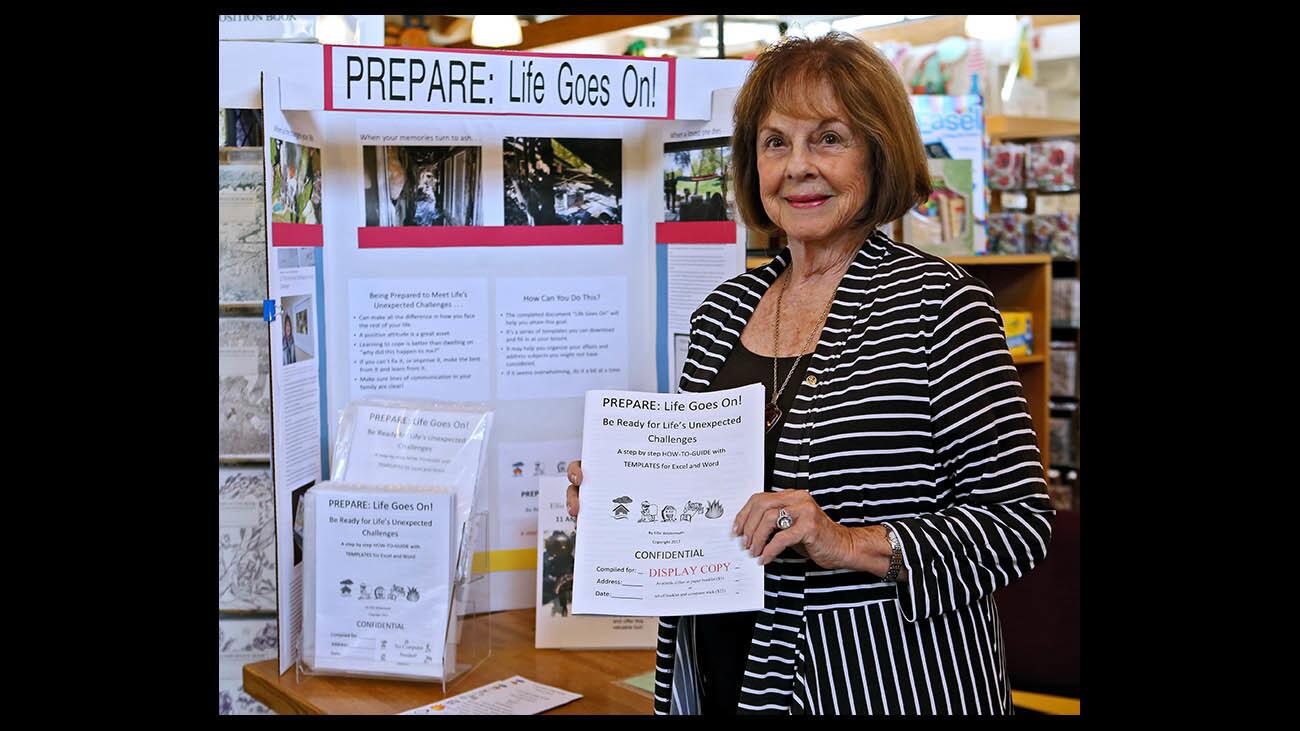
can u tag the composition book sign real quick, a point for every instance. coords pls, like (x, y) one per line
(663, 476)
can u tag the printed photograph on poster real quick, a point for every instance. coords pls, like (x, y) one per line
(296, 183)
(423, 186)
(246, 570)
(296, 498)
(296, 341)
(567, 181)
(294, 257)
(244, 403)
(696, 184)
(557, 571)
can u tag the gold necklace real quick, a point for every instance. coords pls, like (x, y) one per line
(773, 412)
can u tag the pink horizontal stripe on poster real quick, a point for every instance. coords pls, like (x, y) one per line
(696, 232)
(297, 234)
(398, 237)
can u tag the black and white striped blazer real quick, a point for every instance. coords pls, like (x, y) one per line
(917, 419)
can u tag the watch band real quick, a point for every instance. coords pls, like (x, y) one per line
(895, 554)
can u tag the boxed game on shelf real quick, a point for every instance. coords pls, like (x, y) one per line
(1008, 233)
(1056, 234)
(1065, 373)
(1065, 302)
(1062, 439)
(1048, 202)
(1019, 326)
(1006, 166)
(1052, 165)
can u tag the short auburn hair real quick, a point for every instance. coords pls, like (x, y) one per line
(875, 105)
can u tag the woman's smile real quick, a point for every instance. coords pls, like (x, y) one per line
(806, 201)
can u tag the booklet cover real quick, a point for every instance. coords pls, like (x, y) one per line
(663, 478)
(377, 580)
(557, 625)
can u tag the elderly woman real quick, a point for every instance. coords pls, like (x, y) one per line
(903, 481)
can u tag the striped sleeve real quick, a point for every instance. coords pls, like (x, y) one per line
(998, 519)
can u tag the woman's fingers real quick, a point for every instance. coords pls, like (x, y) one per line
(571, 499)
(762, 531)
(763, 504)
(575, 480)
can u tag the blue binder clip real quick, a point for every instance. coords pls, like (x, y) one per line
(268, 310)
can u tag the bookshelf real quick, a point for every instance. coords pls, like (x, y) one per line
(1024, 130)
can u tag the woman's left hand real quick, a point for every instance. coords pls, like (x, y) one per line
(826, 542)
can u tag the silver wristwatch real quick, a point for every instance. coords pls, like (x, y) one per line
(895, 555)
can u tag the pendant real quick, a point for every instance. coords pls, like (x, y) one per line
(772, 414)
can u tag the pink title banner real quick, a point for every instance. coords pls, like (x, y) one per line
(403, 237)
(463, 81)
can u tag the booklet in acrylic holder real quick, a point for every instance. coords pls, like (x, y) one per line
(360, 625)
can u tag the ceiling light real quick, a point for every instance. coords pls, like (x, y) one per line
(334, 30)
(657, 32)
(708, 42)
(818, 28)
(495, 31)
(991, 27)
(858, 22)
(740, 33)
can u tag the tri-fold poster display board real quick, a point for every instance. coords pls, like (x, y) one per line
(503, 230)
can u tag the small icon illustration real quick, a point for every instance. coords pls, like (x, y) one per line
(691, 509)
(715, 510)
(669, 514)
(365, 591)
(379, 592)
(648, 510)
(620, 507)
(412, 595)
(345, 587)
(397, 592)
(560, 467)
(537, 469)
(518, 469)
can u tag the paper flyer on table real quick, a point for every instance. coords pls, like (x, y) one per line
(516, 696)
(663, 477)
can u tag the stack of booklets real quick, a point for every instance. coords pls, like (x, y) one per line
(378, 572)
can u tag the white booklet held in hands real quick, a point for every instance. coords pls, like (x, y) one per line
(663, 477)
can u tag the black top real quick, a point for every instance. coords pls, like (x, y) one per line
(723, 640)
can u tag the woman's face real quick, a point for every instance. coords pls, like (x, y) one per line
(812, 172)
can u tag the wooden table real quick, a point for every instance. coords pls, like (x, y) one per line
(593, 673)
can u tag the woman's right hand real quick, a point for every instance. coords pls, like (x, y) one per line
(575, 480)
